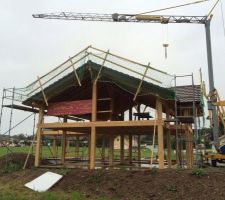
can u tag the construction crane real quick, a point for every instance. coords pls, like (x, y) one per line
(162, 19)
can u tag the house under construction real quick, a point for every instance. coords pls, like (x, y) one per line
(101, 96)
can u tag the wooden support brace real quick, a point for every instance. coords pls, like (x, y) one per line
(140, 84)
(107, 53)
(75, 72)
(42, 90)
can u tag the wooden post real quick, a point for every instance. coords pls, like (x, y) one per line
(63, 143)
(54, 147)
(139, 150)
(130, 138)
(111, 150)
(130, 148)
(169, 161)
(188, 143)
(77, 146)
(67, 144)
(93, 128)
(38, 135)
(122, 149)
(103, 148)
(160, 135)
(189, 147)
(111, 137)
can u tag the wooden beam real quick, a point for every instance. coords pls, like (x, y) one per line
(59, 133)
(38, 136)
(60, 125)
(160, 135)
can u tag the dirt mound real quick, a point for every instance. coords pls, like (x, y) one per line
(14, 161)
(143, 185)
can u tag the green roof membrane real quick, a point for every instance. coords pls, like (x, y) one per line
(124, 81)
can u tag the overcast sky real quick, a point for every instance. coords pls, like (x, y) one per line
(31, 47)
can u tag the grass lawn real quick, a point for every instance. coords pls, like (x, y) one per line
(48, 152)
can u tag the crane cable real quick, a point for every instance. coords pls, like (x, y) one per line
(172, 7)
(210, 12)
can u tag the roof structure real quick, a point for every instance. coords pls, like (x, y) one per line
(128, 80)
(130, 76)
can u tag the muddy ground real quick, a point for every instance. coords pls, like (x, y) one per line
(123, 184)
(207, 183)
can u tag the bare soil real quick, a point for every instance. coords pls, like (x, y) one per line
(136, 185)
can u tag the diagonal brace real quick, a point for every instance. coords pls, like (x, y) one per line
(140, 84)
(99, 72)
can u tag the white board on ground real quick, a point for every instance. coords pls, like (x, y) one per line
(44, 182)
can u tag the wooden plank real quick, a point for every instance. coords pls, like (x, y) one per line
(104, 99)
(60, 125)
(104, 111)
(59, 133)
(38, 136)
(160, 135)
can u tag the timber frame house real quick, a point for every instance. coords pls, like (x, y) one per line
(97, 99)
